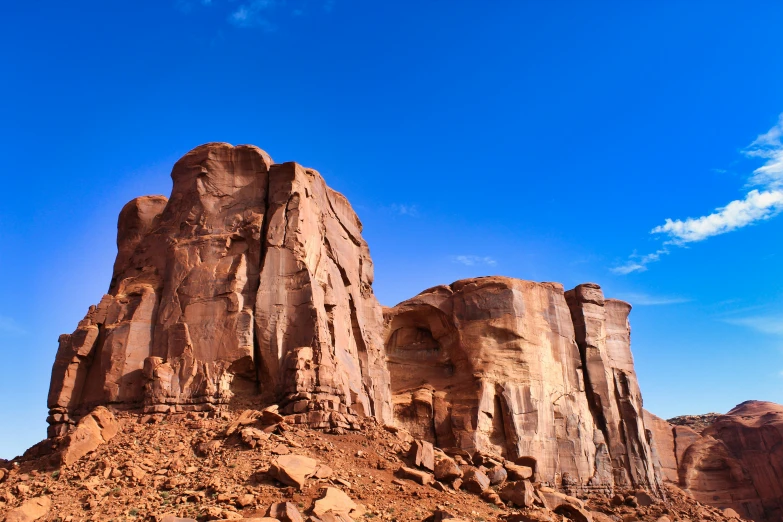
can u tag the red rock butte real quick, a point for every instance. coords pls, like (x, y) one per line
(252, 285)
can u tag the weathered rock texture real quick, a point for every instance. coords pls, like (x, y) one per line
(252, 283)
(253, 278)
(736, 462)
(525, 371)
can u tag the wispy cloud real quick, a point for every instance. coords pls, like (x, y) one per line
(763, 200)
(263, 14)
(253, 14)
(405, 209)
(9, 327)
(768, 324)
(473, 260)
(641, 299)
(638, 263)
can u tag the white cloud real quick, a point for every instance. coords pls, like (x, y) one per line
(766, 324)
(9, 326)
(473, 260)
(770, 147)
(640, 299)
(757, 206)
(764, 200)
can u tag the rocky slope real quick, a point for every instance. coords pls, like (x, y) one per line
(240, 326)
(248, 465)
(697, 423)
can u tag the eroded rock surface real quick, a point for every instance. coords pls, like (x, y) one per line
(524, 371)
(251, 285)
(251, 279)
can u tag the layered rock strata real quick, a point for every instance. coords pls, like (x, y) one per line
(736, 462)
(252, 279)
(525, 371)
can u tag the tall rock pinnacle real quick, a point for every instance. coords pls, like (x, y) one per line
(253, 278)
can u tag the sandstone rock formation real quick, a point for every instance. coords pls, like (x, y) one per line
(251, 285)
(252, 279)
(736, 462)
(525, 371)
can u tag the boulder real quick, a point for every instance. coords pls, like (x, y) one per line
(284, 512)
(447, 470)
(521, 493)
(93, 430)
(474, 481)
(565, 505)
(293, 470)
(253, 436)
(30, 510)
(246, 418)
(423, 454)
(497, 475)
(517, 472)
(421, 477)
(334, 500)
(246, 500)
(491, 497)
(643, 499)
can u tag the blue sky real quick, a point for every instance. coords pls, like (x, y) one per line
(632, 144)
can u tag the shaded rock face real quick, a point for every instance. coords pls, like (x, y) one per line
(252, 279)
(736, 462)
(525, 371)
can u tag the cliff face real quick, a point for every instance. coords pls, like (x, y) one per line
(251, 285)
(523, 370)
(736, 462)
(252, 279)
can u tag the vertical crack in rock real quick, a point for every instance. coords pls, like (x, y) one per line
(603, 336)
